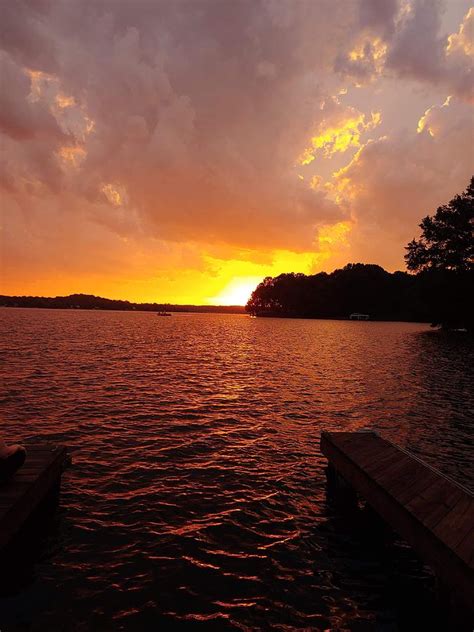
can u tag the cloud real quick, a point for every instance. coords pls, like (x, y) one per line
(462, 42)
(338, 132)
(203, 150)
(394, 181)
(20, 118)
(365, 62)
(379, 16)
(25, 33)
(406, 40)
(418, 50)
(133, 132)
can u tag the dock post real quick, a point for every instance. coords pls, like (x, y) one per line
(452, 609)
(339, 490)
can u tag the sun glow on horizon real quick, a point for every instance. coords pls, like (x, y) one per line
(237, 291)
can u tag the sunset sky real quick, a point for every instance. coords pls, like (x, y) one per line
(183, 150)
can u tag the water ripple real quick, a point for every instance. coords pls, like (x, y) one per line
(197, 497)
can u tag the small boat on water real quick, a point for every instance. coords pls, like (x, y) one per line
(357, 316)
(163, 314)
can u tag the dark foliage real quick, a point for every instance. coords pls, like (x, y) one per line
(447, 240)
(367, 289)
(440, 297)
(444, 258)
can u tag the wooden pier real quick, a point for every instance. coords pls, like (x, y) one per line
(34, 482)
(430, 511)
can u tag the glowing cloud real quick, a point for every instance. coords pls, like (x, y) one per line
(42, 83)
(63, 101)
(69, 114)
(430, 120)
(114, 193)
(347, 133)
(335, 235)
(463, 40)
(72, 155)
(365, 62)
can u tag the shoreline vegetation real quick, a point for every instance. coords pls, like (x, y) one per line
(438, 289)
(91, 302)
(436, 297)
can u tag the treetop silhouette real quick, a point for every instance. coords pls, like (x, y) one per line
(447, 240)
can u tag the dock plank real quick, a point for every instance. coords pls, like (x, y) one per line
(431, 511)
(434, 502)
(457, 523)
(408, 481)
(22, 494)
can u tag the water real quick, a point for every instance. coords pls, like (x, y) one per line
(197, 499)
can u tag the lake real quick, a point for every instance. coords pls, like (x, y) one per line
(196, 499)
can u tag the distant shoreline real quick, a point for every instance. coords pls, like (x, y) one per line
(194, 309)
(97, 303)
(218, 309)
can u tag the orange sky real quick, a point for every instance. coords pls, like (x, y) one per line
(181, 152)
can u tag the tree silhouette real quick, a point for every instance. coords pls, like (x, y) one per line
(440, 292)
(358, 287)
(447, 240)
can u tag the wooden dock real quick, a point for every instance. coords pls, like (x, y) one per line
(430, 511)
(39, 477)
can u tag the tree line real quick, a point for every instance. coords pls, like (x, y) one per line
(89, 301)
(438, 287)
